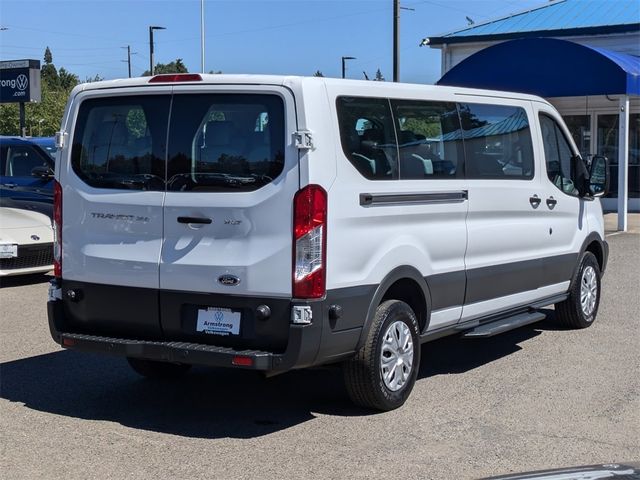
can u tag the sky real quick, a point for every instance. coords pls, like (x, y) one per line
(242, 36)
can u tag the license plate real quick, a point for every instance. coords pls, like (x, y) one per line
(8, 251)
(218, 321)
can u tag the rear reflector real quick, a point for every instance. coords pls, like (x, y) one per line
(242, 361)
(68, 342)
(176, 77)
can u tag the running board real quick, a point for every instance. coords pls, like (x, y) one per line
(504, 325)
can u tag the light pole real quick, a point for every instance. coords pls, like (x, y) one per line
(151, 29)
(202, 35)
(344, 65)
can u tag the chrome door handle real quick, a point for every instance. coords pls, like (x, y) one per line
(535, 201)
(10, 185)
(551, 203)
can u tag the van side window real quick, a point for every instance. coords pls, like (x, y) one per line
(120, 142)
(429, 139)
(557, 154)
(368, 137)
(225, 142)
(497, 142)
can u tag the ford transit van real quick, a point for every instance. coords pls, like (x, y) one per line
(275, 223)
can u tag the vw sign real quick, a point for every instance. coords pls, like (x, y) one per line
(20, 81)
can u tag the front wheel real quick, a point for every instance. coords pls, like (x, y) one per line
(157, 370)
(384, 370)
(579, 310)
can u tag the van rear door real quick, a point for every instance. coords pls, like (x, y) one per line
(232, 173)
(113, 194)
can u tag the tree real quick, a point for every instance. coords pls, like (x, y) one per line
(174, 67)
(67, 80)
(318, 74)
(379, 76)
(48, 72)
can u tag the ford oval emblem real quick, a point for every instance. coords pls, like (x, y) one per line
(229, 280)
(35, 238)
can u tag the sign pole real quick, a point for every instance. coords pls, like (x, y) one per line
(23, 127)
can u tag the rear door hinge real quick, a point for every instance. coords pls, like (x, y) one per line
(303, 140)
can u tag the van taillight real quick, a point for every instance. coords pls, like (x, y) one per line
(57, 229)
(309, 242)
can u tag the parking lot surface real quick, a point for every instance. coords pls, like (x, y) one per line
(537, 397)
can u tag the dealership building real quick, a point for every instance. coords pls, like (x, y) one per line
(581, 55)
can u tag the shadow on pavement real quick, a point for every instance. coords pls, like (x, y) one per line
(213, 403)
(21, 280)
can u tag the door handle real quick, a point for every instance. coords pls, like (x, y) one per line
(551, 203)
(10, 185)
(535, 201)
(197, 220)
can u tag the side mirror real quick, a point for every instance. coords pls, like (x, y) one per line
(42, 172)
(599, 176)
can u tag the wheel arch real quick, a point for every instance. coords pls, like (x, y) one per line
(404, 283)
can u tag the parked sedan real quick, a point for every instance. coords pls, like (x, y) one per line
(26, 175)
(26, 242)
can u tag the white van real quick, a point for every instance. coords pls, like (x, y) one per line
(273, 223)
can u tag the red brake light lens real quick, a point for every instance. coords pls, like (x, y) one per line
(309, 242)
(176, 77)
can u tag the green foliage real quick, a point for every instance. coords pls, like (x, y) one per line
(379, 76)
(426, 127)
(174, 67)
(48, 57)
(318, 74)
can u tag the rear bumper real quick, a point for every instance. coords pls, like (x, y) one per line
(301, 350)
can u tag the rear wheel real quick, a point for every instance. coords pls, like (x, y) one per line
(384, 370)
(157, 370)
(579, 310)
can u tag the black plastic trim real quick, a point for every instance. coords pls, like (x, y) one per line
(372, 199)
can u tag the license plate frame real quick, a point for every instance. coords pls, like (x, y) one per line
(218, 321)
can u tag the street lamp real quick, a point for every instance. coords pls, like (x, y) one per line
(151, 29)
(344, 69)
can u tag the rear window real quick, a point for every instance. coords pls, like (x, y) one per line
(216, 142)
(225, 142)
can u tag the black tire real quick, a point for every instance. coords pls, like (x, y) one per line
(363, 373)
(570, 312)
(157, 370)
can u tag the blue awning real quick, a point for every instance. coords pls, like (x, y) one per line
(548, 67)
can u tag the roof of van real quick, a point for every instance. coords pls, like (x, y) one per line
(230, 79)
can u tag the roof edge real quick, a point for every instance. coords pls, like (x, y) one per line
(565, 32)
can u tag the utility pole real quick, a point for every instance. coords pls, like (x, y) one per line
(202, 35)
(344, 66)
(396, 40)
(151, 29)
(128, 60)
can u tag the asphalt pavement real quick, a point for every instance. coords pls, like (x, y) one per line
(537, 397)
